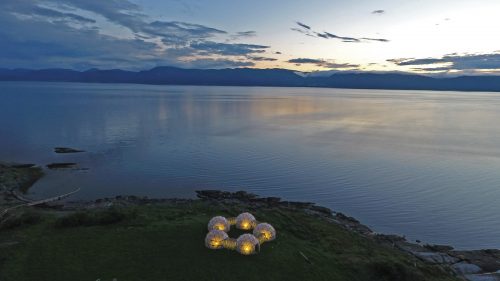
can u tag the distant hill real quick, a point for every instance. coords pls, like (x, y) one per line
(256, 77)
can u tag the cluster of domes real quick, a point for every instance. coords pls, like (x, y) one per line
(246, 244)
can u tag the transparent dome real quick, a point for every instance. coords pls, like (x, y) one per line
(219, 223)
(245, 221)
(264, 232)
(247, 244)
(214, 239)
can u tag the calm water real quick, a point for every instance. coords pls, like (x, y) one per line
(420, 163)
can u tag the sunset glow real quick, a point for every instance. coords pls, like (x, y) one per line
(425, 36)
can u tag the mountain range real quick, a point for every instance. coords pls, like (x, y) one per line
(257, 77)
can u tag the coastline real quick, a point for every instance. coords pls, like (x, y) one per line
(472, 265)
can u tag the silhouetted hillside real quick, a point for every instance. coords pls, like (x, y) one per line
(256, 77)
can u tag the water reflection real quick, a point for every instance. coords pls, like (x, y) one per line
(401, 161)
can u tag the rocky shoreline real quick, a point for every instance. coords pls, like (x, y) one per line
(475, 265)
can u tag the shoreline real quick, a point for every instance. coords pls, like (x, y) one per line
(473, 265)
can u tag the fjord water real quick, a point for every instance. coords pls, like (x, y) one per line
(420, 163)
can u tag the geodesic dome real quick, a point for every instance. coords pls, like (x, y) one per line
(264, 232)
(247, 244)
(245, 221)
(214, 239)
(219, 223)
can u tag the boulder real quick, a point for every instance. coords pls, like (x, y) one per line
(464, 268)
(67, 150)
(439, 248)
(483, 277)
(488, 260)
(437, 258)
(61, 165)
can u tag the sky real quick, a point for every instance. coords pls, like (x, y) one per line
(419, 36)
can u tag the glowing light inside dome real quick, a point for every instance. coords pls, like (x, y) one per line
(215, 238)
(265, 232)
(219, 223)
(246, 244)
(245, 221)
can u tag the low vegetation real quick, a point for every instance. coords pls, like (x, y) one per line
(19, 219)
(100, 217)
(18, 177)
(166, 242)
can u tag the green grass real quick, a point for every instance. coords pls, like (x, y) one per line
(27, 217)
(167, 243)
(19, 178)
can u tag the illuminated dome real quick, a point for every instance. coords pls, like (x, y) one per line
(245, 221)
(218, 223)
(214, 239)
(265, 232)
(247, 244)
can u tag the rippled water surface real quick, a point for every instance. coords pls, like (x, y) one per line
(420, 163)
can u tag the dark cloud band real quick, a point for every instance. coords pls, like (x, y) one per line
(308, 31)
(323, 63)
(490, 61)
(52, 28)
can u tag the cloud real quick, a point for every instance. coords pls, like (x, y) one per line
(54, 14)
(179, 33)
(305, 60)
(323, 63)
(432, 69)
(243, 34)
(375, 39)
(308, 31)
(378, 12)
(71, 34)
(486, 61)
(413, 61)
(217, 63)
(327, 35)
(305, 26)
(59, 44)
(261, 58)
(209, 47)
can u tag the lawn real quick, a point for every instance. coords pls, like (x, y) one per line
(166, 242)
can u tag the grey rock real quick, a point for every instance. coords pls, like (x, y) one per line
(488, 260)
(67, 150)
(439, 248)
(343, 217)
(437, 258)
(322, 209)
(464, 268)
(483, 277)
(61, 165)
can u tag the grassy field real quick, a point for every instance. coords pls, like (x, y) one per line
(166, 242)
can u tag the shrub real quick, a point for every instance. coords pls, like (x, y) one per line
(394, 271)
(73, 220)
(90, 218)
(27, 217)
